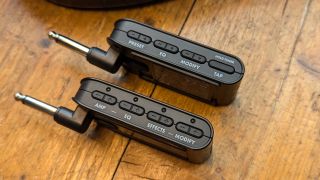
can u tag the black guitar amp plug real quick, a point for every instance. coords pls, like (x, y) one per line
(136, 116)
(188, 67)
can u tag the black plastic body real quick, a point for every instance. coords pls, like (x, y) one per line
(105, 60)
(140, 127)
(199, 80)
(78, 120)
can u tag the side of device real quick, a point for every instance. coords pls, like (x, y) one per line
(191, 68)
(149, 121)
(152, 122)
(188, 67)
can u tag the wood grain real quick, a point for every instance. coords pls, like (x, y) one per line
(33, 146)
(271, 131)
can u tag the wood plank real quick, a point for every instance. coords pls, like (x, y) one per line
(294, 130)
(272, 129)
(31, 144)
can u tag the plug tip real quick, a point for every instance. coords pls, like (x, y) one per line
(19, 96)
(69, 43)
(53, 35)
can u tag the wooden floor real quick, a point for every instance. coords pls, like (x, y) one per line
(271, 130)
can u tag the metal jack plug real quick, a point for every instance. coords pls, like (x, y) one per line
(107, 60)
(78, 120)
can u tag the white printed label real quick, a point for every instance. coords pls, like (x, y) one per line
(219, 75)
(187, 63)
(100, 106)
(156, 128)
(136, 44)
(185, 139)
(224, 59)
(127, 116)
(162, 54)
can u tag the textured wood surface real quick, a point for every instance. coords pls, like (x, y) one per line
(32, 145)
(271, 130)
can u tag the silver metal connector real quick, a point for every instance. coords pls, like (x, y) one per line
(35, 103)
(69, 43)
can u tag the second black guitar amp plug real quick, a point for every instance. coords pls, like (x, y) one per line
(133, 115)
(196, 70)
(188, 67)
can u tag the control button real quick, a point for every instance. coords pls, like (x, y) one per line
(131, 108)
(198, 58)
(165, 46)
(153, 116)
(125, 105)
(182, 127)
(97, 95)
(166, 121)
(160, 44)
(110, 100)
(139, 37)
(137, 110)
(144, 39)
(133, 34)
(195, 132)
(171, 48)
(221, 66)
(193, 56)
(187, 54)
(229, 60)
